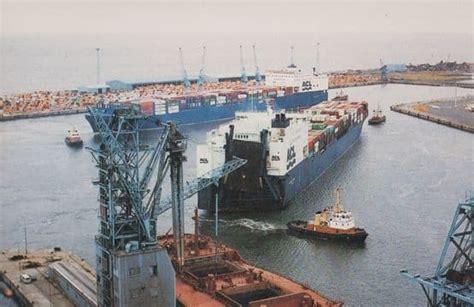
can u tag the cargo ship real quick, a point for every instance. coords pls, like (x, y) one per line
(214, 274)
(285, 153)
(287, 89)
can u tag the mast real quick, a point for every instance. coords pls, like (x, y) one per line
(338, 206)
(98, 65)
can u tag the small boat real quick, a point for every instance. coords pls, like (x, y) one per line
(7, 292)
(333, 223)
(73, 138)
(377, 117)
(341, 97)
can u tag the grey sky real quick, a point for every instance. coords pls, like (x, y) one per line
(232, 17)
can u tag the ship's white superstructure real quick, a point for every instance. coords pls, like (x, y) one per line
(294, 77)
(336, 216)
(286, 140)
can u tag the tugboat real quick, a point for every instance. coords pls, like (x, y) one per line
(341, 97)
(333, 223)
(377, 117)
(73, 138)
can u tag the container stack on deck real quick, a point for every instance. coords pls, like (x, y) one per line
(330, 120)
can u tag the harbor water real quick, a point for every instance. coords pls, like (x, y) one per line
(402, 181)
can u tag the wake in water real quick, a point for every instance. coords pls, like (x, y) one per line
(253, 225)
(248, 223)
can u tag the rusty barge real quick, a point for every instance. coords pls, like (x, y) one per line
(214, 274)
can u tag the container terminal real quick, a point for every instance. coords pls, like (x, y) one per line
(201, 89)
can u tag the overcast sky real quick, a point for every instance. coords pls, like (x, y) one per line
(109, 16)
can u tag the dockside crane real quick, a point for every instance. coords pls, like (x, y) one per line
(202, 77)
(292, 60)
(258, 77)
(131, 175)
(317, 68)
(243, 77)
(186, 82)
(452, 282)
(383, 72)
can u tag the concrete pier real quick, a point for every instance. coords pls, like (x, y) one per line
(46, 289)
(452, 112)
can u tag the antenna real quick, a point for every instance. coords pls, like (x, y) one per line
(338, 200)
(98, 64)
(26, 242)
(258, 77)
(317, 58)
(243, 75)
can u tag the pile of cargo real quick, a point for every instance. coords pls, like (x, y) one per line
(331, 120)
(355, 78)
(442, 66)
(44, 101)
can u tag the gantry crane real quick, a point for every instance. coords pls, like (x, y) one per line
(202, 77)
(453, 280)
(186, 82)
(383, 72)
(292, 60)
(130, 182)
(243, 76)
(258, 77)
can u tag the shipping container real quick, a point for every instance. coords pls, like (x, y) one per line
(147, 106)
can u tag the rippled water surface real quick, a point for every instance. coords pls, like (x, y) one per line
(402, 181)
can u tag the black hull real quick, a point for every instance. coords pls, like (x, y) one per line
(295, 227)
(375, 121)
(250, 188)
(73, 144)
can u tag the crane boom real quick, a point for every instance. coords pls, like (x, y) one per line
(258, 77)
(186, 82)
(242, 66)
(202, 77)
(209, 178)
(292, 62)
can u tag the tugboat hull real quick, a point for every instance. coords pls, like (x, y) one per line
(376, 121)
(73, 143)
(350, 235)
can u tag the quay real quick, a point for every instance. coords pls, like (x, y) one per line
(58, 278)
(5, 118)
(453, 112)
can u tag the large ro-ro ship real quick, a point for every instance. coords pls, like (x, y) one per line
(287, 89)
(285, 152)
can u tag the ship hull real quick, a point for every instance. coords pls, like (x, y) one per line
(298, 228)
(227, 111)
(249, 189)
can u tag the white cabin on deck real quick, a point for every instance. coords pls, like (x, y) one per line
(286, 140)
(293, 77)
(335, 217)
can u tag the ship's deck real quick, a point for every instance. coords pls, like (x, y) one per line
(216, 275)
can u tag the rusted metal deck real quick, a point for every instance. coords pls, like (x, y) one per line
(216, 275)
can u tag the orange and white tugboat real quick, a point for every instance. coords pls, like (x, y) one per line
(73, 138)
(334, 223)
(377, 117)
(341, 97)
